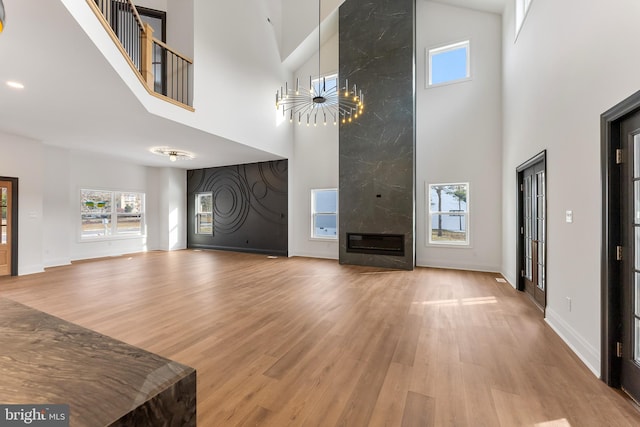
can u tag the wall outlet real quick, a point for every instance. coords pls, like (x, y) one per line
(568, 303)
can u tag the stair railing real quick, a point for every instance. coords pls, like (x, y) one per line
(163, 70)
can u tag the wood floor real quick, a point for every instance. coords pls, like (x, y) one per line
(280, 342)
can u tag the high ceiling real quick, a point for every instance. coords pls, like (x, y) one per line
(64, 74)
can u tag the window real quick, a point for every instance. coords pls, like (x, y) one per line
(449, 214)
(449, 64)
(522, 7)
(324, 214)
(325, 85)
(204, 213)
(4, 208)
(106, 214)
(129, 209)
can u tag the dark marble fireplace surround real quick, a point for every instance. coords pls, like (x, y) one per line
(377, 151)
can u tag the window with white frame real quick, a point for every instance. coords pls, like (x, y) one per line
(107, 214)
(204, 213)
(522, 7)
(325, 85)
(448, 213)
(449, 64)
(324, 213)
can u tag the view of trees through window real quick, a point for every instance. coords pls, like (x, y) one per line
(111, 213)
(448, 213)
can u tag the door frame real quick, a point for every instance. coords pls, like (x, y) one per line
(14, 223)
(162, 16)
(611, 271)
(538, 158)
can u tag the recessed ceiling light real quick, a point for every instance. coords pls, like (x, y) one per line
(15, 85)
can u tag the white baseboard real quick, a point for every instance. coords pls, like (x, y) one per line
(57, 262)
(464, 267)
(25, 270)
(511, 280)
(313, 255)
(589, 355)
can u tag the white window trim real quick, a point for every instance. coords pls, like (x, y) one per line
(521, 12)
(112, 236)
(197, 212)
(430, 52)
(428, 242)
(329, 76)
(313, 212)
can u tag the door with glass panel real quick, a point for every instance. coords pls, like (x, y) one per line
(629, 255)
(6, 196)
(532, 229)
(158, 21)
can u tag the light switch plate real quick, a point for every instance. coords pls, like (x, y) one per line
(569, 216)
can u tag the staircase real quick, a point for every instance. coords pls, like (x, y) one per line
(164, 72)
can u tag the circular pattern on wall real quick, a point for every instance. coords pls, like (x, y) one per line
(230, 200)
(270, 184)
(259, 189)
(274, 175)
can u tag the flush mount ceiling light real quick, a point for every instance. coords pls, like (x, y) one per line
(15, 85)
(324, 100)
(172, 153)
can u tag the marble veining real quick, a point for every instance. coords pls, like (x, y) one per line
(44, 359)
(377, 152)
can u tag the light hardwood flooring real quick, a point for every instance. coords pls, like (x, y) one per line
(298, 341)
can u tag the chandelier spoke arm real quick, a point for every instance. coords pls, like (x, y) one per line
(333, 102)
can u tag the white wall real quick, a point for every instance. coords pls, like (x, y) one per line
(23, 158)
(172, 209)
(237, 72)
(152, 4)
(314, 165)
(154, 202)
(95, 172)
(300, 19)
(235, 78)
(458, 134)
(59, 217)
(572, 61)
(49, 182)
(179, 17)
(50, 179)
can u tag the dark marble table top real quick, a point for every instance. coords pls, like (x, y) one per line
(46, 360)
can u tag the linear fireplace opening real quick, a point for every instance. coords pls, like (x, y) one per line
(376, 244)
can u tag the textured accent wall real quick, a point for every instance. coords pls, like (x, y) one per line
(377, 152)
(249, 207)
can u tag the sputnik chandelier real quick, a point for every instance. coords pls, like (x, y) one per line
(2, 16)
(323, 101)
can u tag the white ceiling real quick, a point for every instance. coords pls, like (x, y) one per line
(73, 98)
(495, 6)
(64, 74)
